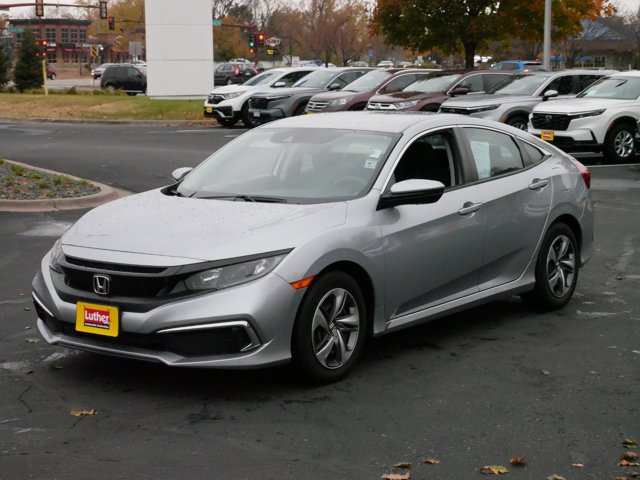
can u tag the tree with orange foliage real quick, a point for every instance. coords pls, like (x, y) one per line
(454, 25)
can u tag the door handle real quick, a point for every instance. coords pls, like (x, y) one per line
(469, 207)
(538, 184)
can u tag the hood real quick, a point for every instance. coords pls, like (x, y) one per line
(396, 97)
(583, 105)
(231, 89)
(328, 96)
(276, 92)
(187, 230)
(483, 99)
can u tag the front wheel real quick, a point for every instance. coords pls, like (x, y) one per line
(227, 122)
(556, 269)
(330, 328)
(247, 119)
(618, 146)
(518, 121)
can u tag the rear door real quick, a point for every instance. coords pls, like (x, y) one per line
(516, 200)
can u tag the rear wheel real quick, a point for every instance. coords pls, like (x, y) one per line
(556, 269)
(52, 76)
(299, 110)
(330, 328)
(618, 145)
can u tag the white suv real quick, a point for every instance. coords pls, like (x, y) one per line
(602, 118)
(228, 104)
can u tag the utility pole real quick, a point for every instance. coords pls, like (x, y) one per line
(547, 35)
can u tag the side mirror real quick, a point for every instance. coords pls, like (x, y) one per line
(549, 94)
(179, 173)
(459, 91)
(411, 192)
(279, 84)
(335, 86)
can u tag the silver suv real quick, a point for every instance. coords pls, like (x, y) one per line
(512, 100)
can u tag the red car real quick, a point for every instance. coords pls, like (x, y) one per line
(52, 73)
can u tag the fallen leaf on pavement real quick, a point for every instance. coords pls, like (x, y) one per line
(620, 478)
(630, 443)
(32, 340)
(518, 461)
(493, 470)
(627, 463)
(402, 465)
(396, 476)
(555, 477)
(633, 475)
(629, 456)
(577, 465)
(545, 372)
(82, 413)
(432, 461)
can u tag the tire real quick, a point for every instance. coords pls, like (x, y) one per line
(227, 122)
(52, 76)
(556, 269)
(229, 81)
(131, 94)
(518, 121)
(246, 118)
(299, 110)
(330, 328)
(618, 145)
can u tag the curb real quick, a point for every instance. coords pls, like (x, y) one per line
(168, 123)
(106, 194)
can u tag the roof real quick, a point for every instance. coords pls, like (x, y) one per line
(49, 21)
(373, 121)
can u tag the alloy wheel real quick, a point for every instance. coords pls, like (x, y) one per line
(623, 144)
(561, 266)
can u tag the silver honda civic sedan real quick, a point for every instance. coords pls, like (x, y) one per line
(299, 240)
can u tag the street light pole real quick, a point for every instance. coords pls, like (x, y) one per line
(547, 35)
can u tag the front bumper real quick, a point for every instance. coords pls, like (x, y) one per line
(247, 326)
(266, 115)
(581, 140)
(218, 112)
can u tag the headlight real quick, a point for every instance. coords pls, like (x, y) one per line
(590, 113)
(56, 253)
(337, 102)
(484, 108)
(403, 105)
(230, 275)
(227, 96)
(278, 97)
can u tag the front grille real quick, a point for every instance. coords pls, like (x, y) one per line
(316, 106)
(459, 111)
(121, 285)
(381, 106)
(547, 121)
(215, 99)
(216, 341)
(113, 267)
(258, 103)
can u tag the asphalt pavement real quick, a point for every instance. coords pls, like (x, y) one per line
(559, 389)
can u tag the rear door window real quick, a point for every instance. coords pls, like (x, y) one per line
(493, 153)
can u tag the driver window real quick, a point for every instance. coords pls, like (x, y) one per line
(428, 158)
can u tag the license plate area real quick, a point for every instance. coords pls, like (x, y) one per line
(97, 319)
(547, 135)
(209, 109)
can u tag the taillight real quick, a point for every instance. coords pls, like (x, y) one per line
(584, 172)
(237, 70)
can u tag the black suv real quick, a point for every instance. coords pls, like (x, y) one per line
(125, 76)
(233, 73)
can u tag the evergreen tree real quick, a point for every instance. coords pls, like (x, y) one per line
(5, 64)
(28, 71)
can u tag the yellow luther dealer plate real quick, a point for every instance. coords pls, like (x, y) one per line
(209, 109)
(97, 319)
(547, 135)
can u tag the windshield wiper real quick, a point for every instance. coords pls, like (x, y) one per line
(245, 198)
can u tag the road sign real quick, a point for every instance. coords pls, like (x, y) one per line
(216, 23)
(272, 41)
(15, 29)
(94, 51)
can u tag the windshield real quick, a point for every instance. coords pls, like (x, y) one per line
(262, 79)
(519, 84)
(292, 166)
(621, 88)
(317, 79)
(368, 81)
(439, 83)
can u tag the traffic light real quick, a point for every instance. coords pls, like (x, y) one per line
(261, 39)
(103, 9)
(252, 41)
(112, 23)
(39, 8)
(41, 48)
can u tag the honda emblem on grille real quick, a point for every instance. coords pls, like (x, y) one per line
(101, 284)
(548, 118)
